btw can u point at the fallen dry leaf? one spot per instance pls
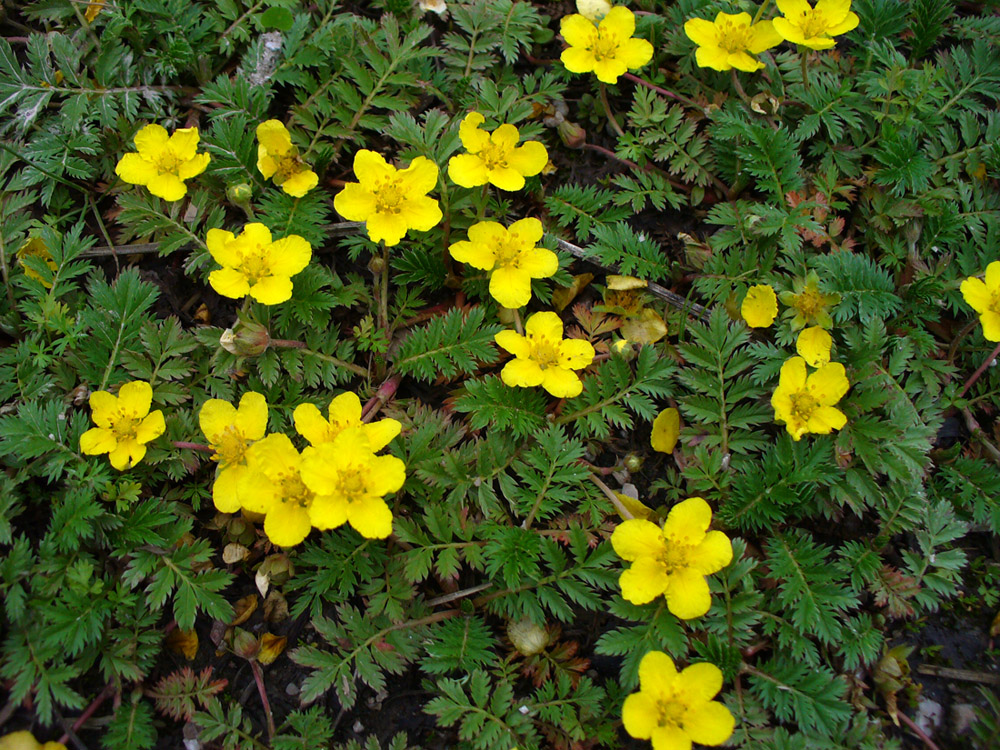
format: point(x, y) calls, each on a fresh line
point(271, 647)
point(183, 642)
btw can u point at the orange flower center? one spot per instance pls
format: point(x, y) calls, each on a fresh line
point(733, 37)
point(545, 353)
point(494, 155)
point(803, 405)
point(813, 23)
point(289, 165)
point(388, 196)
point(124, 424)
point(230, 445)
point(167, 161)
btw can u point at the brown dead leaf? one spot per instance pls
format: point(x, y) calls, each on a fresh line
point(275, 607)
point(234, 553)
point(563, 295)
point(183, 642)
point(243, 609)
point(271, 647)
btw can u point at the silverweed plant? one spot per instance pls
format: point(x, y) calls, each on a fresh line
point(490, 375)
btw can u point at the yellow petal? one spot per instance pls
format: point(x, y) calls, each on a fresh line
point(657, 673)
point(469, 132)
point(561, 383)
point(419, 178)
point(993, 275)
point(715, 58)
point(539, 262)
point(214, 417)
point(271, 290)
point(828, 384)
point(381, 433)
point(151, 427)
point(700, 682)
point(619, 20)
point(221, 246)
point(544, 325)
point(514, 343)
point(300, 183)
point(184, 143)
point(271, 647)
point(825, 419)
point(476, 254)
point(226, 488)
point(311, 425)
point(709, 723)
point(609, 69)
point(578, 59)
point(640, 715)
point(793, 374)
point(636, 508)
point(645, 580)
point(135, 170)
point(976, 294)
point(713, 554)
point(103, 406)
point(813, 345)
point(991, 325)
point(421, 212)
point(666, 430)
point(229, 283)
point(760, 306)
point(687, 594)
point(511, 287)
point(387, 228)
point(183, 642)
point(522, 373)
point(634, 53)
point(167, 186)
point(388, 474)
point(127, 454)
point(354, 202)
point(528, 159)
point(289, 255)
point(833, 11)
point(637, 538)
point(151, 139)
point(575, 354)
point(287, 524)
point(743, 61)
point(274, 137)
point(136, 397)
point(763, 37)
point(328, 512)
point(577, 30)
point(701, 31)
point(370, 168)
point(193, 166)
point(687, 522)
point(526, 231)
point(97, 440)
point(793, 8)
point(252, 415)
point(370, 518)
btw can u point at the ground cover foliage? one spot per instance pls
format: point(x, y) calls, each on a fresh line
point(858, 183)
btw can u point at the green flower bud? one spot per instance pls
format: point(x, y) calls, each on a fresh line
point(246, 339)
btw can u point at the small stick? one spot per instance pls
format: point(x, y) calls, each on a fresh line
point(917, 731)
point(108, 691)
point(258, 676)
point(610, 494)
point(980, 371)
point(966, 675)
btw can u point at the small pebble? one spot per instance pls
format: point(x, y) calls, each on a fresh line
point(291, 689)
point(929, 717)
point(963, 715)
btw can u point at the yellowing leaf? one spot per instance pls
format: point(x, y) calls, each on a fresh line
point(271, 647)
point(666, 430)
point(648, 328)
point(93, 8)
point(234, 553)
point(563, 295)
point(633, 506)
point(183, 642)
point(243, 609)
point(620, 283)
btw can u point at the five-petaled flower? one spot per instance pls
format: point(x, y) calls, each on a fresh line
point(606, 48)
point(253, 264)
point(806, 404)
point(390, 201)
point(124, 424)
point(163, 162)
point(984, 298)
point(511, 256)
point(230, 432)
point(277, 158)
point(809, 303)
point(272, 485)
point(345, 413)
point(495, 158)
point(760, 306)
point(674, 709)
point(813, 345)
point(350, 482)
point(731, 41)
point(815, 27)
point(673, 560)
point(543, 357)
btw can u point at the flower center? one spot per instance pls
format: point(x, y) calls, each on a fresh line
point(508, 253)
point(803, 405)
point(288, 166)
point(809, 303)
point(293, 489)
point(813, 24)
point(604, 46)
point(167, 162)
point(545, 353)
point(670, 712)
point(124, 425)
point(255, 264)
point(388, 197)
point(230, 445)
point(732, 37)
point(494, 155)
point(676, 557)
point(994, 305)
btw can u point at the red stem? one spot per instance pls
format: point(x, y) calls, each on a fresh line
point(385, 392)
point(980, 371)
point(193, 446)
point(917, 731)
point(258, 677)
point(108, 691)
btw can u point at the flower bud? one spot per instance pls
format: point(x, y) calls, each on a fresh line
point(528, 638)
point(633, 462)
point(246, 339)
point(239, 194)
point(571, 134)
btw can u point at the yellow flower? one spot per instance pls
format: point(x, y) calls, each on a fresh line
point(607, 48)
point(350, 481)
point(806, 404)
point(345, 413)
point(390, 201)
point(814, 345)
point(124, 424)
point(273, 486)
point(666, 430)
point(809, 303)
point(253, 264)
point(511, 255)
point(675, 709)
point(163, 162)
point(278, 158)
point(760, 306)
point(26, 741)
point(673, 560)
point(815, 27)
point(544, 358)
point(731, 41)
point(35, 247)
point(984, 298)
point(230, 432)
point(495, 157)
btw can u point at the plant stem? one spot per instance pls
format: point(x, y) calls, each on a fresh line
point(383, 297)
point(517, 321)
point(739, 87)
point(183, 444)
point(108, 691)
point(804, 56)
point(610, 494)
point(385, 392)
point(760, 11)
point(665, 92)
point(982, 368)
point(608, 113)
point(287, 344)
point(258, 677)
